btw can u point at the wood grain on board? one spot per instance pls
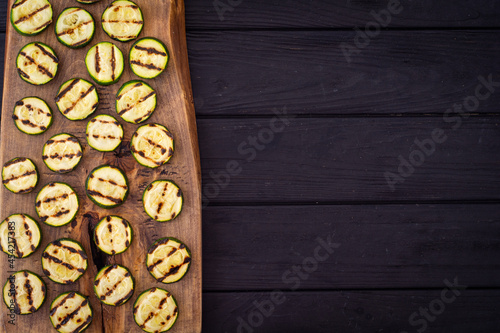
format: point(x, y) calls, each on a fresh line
point(164, 20)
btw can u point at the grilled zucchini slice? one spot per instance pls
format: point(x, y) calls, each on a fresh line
point(71, 312)
point(20, 175)
point(107, 186)
point(104, 63)
point(62, 153)
point(37, 63)
point(77, 99)
point(114, 285)
point(152, 145)
point(64, 261)
point(113, 235)
point(75, 27)
point(24, 292)
point(135, 101)
point(162, 200)
point(30, 17)
point(155, 310)
point(57, 204)
point(148, 58)
point(122, 20)
point(104, 133)
point(168, 260)
point(20, 235)
point(32, 115)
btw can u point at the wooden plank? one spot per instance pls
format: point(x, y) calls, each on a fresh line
point(201, 14)
point(165, 20)
point(399, 72)
point(342, 160)
point(354, 311)
point(338, 14)
point(379, 246)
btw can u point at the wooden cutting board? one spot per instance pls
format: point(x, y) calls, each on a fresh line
point(165, 21)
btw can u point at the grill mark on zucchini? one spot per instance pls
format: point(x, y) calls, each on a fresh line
point(58, 214)
point(70, 31)
point(16, 248)
point(57, 243)
point(22, 73)
point(62, 263)
point(124, 298)
point(123, 21)
point(150, 50)
point(15, 161)
point(66, 90)
point(39, 67)
point(47, 53)
point(30, 15)
point(151, 314)
point(79, 328)
point(18, 4)
point(97, 59)
point(29, 288)
point(110, 198)
point(28, 173)
point(113, 63)
point(71, 315)
point(142, 154)
point(43, 25)
point(138, 84)
point(79, 43)
point(82, 96)
point(68, 296)
point(175, 269)
point(122, 112)
point(148, 66)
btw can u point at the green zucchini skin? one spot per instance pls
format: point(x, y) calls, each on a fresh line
point(127, 297)
point(149, 187)
point(37, 174)
point(43, 219)
point(43, 288)
point(70, 138)
point(135, 307)
point(87, 303)
point(24, 53)
point(123, 113)
point(160, 242)
point(82, 249)
point(36, 32)
point(136, 68)
point(94, 200)
point(37, 225)
point(106, 28)
point(92, 62)
point(23, 102)
point(108, 219)
point(80, 44)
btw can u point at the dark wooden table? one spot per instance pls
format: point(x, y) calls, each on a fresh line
point(351, 176)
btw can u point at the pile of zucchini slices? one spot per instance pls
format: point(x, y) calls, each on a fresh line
point(64, 260)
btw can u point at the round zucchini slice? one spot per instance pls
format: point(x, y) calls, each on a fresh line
point(107, 186)
point(148, 58)
point(20, 235)
point(77, 99)
point(152, 145)
point(104, 133)
point(32, 115)
point(155, 310)
point(162, 200)
point(64, 261)
point(56, 204)
point(20, 175)
point(71, 312)
point(75, 27)
point(135, 102)
point(62, 153)
point(168, 260)
point(104, 63)
point(113, 235)
point(30, 17)
point(25, 292)
point(114, 285)
point(37, 63)
point(122, 20)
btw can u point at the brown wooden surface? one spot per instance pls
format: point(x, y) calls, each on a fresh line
point(164, 20)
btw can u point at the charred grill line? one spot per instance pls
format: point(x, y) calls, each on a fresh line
point(70, 295)
point(30, 15)
point(148, 66)
point(138, 102)
point(47, 53)
point(150, 50)
point(82, 96)
point(66, 90)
